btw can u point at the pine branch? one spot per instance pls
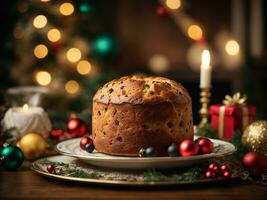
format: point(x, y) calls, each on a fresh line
point(67, 171)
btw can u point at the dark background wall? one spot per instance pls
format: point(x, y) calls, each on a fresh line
point(142, 33)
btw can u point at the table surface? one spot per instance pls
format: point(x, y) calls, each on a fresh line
point(26, 184)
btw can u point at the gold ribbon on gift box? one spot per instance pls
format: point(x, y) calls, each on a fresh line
point(236, 100)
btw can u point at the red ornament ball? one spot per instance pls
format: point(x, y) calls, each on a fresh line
point(73, 124)
point(214, 167)
point(255, 163)
point(227, 174)
point(205, 145)
point(84, 141)
point(188, 148)
point(210, 174)
point(224, 168)
point(76, 127)
point(161, 11)
point(51, 168)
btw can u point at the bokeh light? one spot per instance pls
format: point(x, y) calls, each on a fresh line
point(105, 45)
point(40, 21)
point(83, 67)
point(82, 45)
point(85, 7)
point(72, 87)
point(66, 9)
point(40, 51)
point(194, 32)
point(44, 0)
point(54, 35)
point(232, 47)
point(159, 63)
point(74, 55)
point(173, 4)
point(43, 78)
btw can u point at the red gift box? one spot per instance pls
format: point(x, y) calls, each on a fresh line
point(225, 120)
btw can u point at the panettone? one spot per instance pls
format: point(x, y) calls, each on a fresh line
point(135, 112)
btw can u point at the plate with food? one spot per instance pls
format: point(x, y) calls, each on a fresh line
point(142, 116)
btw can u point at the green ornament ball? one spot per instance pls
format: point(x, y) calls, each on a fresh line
point(11, 157)
point(105, 45)
point(86, 8)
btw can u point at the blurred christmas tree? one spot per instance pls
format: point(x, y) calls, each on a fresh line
point(62, 45)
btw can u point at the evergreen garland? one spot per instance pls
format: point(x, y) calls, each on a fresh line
point(65, 170)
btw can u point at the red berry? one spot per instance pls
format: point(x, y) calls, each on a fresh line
point(84, 141)
point(210, 174)
point(188, 148)
point(51, 168)
point(227, 174)
point(205, 145)
point(224, 167)
point(214, 167)
point(56, 132)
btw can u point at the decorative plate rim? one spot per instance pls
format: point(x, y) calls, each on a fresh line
point(38, 170)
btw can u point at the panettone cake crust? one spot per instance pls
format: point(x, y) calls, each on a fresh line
point(136, 112)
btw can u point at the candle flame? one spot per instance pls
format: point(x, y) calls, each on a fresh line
point(206, 58)
point(25, 107)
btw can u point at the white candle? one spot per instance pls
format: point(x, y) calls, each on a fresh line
point(205, 73)
point(24, 108)
point(27, 119)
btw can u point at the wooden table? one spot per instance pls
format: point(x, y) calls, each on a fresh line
point(26, 184)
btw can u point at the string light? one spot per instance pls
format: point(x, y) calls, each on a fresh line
point(40, 51)
point(72, 87)
point(40, 21)
point(43, 78)
point(54, 35)
point(74, 55)
point(173, 4)
point(83, 67)
point(232, 47)
point(194, 32)
point(66, 9)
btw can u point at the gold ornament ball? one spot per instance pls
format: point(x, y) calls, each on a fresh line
point(32, 145)
point(255, 136)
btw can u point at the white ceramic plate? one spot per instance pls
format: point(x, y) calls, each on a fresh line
point(72, 148)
